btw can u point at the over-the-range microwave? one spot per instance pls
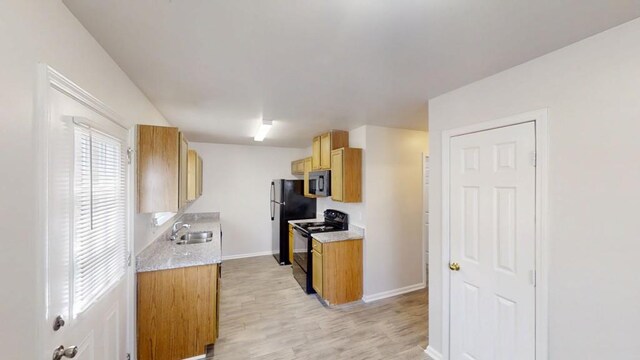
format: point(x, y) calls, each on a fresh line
point(320, 183)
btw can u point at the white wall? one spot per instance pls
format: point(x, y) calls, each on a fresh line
point(236, 183)
point(592, 91)
point(32, 32)
point(394, 244)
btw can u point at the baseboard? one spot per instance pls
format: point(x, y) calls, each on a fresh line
point(433, 354)
point(242, 256)
point(391, 293)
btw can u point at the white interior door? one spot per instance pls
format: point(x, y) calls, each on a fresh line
point(492, 214)
point(97, 327)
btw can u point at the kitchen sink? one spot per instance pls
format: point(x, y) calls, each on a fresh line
point(195, 238)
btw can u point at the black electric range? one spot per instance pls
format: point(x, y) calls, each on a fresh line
point(302, 265)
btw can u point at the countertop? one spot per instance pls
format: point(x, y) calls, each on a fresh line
point(164, 254)
point(334, 236)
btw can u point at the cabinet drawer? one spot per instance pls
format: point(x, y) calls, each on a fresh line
point(317, 246)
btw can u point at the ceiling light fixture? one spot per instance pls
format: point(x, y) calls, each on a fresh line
point(265, 126)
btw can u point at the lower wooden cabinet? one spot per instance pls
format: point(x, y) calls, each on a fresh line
point(291, 243)
point(177, 312)
point(317, 272)
point(337, 270)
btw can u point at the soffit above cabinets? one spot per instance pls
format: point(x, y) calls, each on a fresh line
point(214, 68)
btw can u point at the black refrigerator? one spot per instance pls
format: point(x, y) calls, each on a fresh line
point(287, 203)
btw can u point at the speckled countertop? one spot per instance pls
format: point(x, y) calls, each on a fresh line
point(354, 233)
point(164, 254)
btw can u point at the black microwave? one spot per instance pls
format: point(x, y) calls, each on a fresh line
point(320, 183)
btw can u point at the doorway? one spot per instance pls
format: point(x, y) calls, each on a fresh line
point(494, 291)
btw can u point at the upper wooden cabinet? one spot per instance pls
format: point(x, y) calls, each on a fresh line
point(199, 176)
point(184, 151)
point(194, 175)
point(315, 153)
point(297, 167)
point(324, 144)
point(307, 170)
point(158, 160)
point(346, 175)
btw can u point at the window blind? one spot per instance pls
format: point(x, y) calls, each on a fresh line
point(99, 245)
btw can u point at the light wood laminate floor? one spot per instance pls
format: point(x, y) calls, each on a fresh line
point(266, 315)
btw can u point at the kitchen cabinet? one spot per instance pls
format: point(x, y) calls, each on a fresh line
point(297, 167)
point(323, 145)
point(177, 313)
point(199, 176)
point(317, 270)
point(307, 170)
point(337, 270)
point(182, 182)
point(158, 169)
point(346, 175)
point(194, 175)
point(291, 243)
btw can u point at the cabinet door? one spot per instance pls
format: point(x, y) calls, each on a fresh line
point(307, 169)
point(317, 272)
point(158, 169)
point(192, 175)
point(291, 243)
point(337, 183)
point(199, 176)
point(177, 304)
point(325, 151)
point(184, 154)
point(315, 155)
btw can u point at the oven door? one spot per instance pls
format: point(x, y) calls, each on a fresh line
point(301, 248)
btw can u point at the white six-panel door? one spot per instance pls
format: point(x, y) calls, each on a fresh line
point(492, 239)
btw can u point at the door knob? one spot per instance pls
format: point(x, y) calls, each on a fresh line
point(454, 266)
point(61, 352)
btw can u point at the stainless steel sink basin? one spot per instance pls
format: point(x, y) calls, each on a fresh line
point(195, 238)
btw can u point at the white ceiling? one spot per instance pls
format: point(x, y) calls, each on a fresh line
point(214, 67)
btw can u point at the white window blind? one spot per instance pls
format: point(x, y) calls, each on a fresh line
point(99, 245)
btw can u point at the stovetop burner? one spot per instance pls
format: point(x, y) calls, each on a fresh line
point(334, 221)
point(321, 228)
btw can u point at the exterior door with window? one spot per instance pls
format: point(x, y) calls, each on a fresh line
point(492, 244)
point(86, 245)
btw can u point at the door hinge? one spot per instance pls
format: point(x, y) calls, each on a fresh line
point(129, 155)
point(534, 159)
point(128, 356)
point(129, 259)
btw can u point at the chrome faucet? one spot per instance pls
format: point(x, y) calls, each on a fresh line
point(177, 226)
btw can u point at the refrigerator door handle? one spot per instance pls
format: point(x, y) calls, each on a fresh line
point(271, 203)
point(273, 191)
point(273, 210)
